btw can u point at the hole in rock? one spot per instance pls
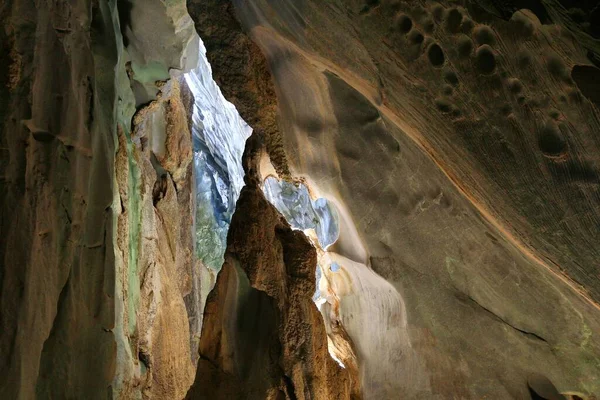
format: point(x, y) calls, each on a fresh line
point(334, 267)
point(144, 360)
point(318, 219)
point(436, 55)
point(485, 59)
point(551, 140)
point(403, 23)
point(587, 78)
point(453, 20)
point(219, 135)
point(301, 211)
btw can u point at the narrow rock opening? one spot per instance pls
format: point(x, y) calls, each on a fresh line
point(294, 201)
point(219, 135)
point(319, 220)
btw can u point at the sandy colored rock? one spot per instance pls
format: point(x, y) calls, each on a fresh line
point(157, 274)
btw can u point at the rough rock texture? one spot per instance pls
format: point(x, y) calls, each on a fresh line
point(159, 36)
point(262, 336)
point(246, 80)
point(155, 253)
point(57, 183)
point(154, 287)
point(96, 247)
point(458, 140)
point(461, 150)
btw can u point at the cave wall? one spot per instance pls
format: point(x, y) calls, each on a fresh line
point(155, 241)
point(457, 140)
point(97, 220)
point(58, 250)
point(462, 154)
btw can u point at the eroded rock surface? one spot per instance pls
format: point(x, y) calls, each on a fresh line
point(457, 141)
point(157, 274)
point(462, 157)
point(97, 227)
point(57, 252)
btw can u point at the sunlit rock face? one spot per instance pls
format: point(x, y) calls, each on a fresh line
point(294, 202)
point(319, 221)
point(155, 182)
point(344, 290)
point(155, 261)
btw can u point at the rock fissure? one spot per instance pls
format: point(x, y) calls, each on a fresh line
point(504, 321)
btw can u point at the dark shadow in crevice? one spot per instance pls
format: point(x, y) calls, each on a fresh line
point(541, 388)
point(587, 78)
point(485, 10)
point(125, 8)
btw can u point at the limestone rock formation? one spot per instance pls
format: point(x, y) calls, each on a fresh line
point(454, 143)
point(157, 274)
point(97, 242)
point(57, 253)
point(460, 151)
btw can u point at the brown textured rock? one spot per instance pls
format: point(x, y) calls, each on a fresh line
point(242, 72)
point(157, 318)
point(71, 202)
point(56, 223)
point(263, 337)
